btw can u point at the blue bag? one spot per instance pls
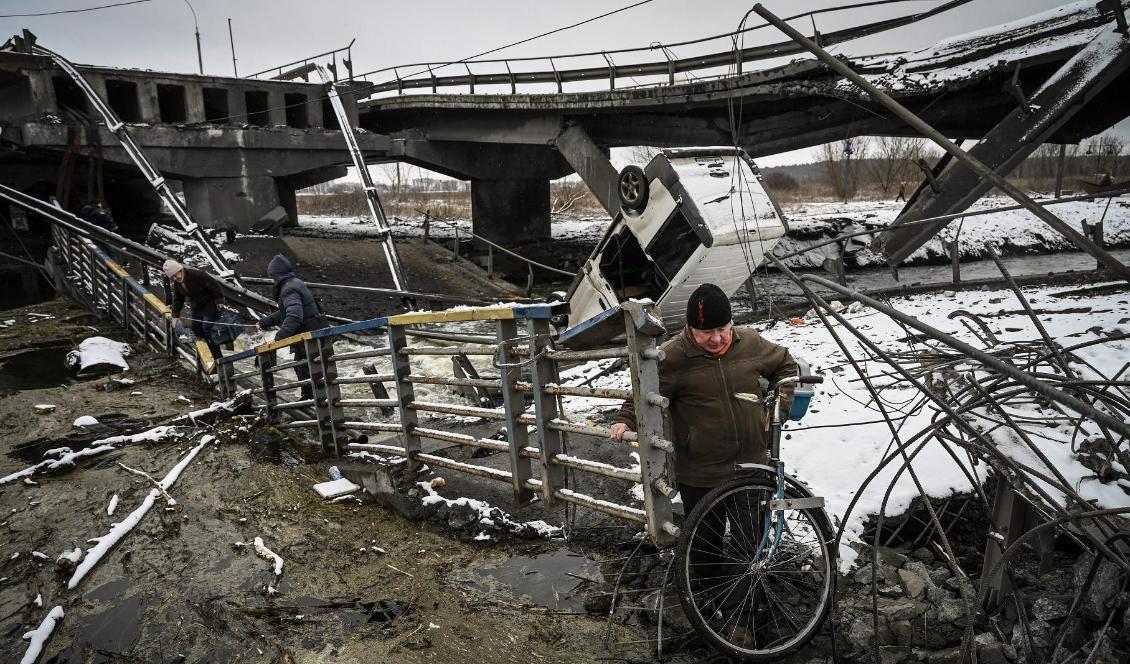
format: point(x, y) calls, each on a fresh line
point(227, 327)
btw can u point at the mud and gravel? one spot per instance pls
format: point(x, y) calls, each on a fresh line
point(359, 584)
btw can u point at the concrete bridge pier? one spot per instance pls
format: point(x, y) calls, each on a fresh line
point(511, 211)
point(238, 202)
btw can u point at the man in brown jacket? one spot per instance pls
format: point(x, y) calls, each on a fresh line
point(704, 366)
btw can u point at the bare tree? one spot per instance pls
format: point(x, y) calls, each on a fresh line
point(640, 155)
point(1105, 150)
point(396, 177)
point(565, 195)
point(837, 161)
point(892, 160)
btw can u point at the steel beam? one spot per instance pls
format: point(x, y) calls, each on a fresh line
point(937, 137)
point(1017, 136)
point(591, 163)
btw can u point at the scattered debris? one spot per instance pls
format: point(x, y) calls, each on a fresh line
point(98, 355)
point(38, 636)
point(102, 545)
point(336, 488)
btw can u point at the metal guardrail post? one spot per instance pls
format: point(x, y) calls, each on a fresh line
point(954, 250)
point(266, 362)
point(127, 320)
point(405, 394)
point(642, 329)
point(514, 403)
point(315, 365)
point(332, 420)
point(542, 371)
point(225, 370)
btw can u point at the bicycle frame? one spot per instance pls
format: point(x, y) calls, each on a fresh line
point(775, 516)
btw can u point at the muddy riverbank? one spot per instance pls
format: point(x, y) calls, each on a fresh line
point(359, 582)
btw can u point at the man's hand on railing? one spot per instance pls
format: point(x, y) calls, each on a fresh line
point(617, 432)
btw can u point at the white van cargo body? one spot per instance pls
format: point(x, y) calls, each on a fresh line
point(706, 218)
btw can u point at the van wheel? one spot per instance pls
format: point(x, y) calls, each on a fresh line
point(633, 189)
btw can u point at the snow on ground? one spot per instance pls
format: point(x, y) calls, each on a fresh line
point(845, 426)
point(842, 423)
point(1015, 231)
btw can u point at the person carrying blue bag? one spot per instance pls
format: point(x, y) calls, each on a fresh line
point(297, 312)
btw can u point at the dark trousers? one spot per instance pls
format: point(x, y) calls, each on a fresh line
point(718, 572)
point(303, 370)
point(202, 328)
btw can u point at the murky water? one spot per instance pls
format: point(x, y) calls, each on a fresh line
point(105, 635)
point(35, 369)
point(786, 293)
point(548, 579)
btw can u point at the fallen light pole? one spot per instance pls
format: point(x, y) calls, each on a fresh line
point(1002, 183)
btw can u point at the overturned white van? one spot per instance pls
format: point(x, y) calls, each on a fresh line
point(691, 216)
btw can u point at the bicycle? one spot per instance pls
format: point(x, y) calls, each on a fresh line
point(754, 560)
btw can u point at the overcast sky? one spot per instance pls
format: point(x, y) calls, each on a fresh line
point(159, 34)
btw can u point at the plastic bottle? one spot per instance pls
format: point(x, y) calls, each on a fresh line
point(335, 473)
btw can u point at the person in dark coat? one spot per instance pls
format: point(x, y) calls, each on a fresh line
point(204, 297)
point(297, 312)
point(99, 215)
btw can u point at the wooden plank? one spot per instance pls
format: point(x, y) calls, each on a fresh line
point(453, 315)
point(206, 359)
point(117, 269)
point(157, 304)
point(283, 343)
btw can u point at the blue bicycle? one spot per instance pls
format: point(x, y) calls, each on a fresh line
point(754, 560)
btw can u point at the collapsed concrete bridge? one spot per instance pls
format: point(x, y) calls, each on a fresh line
point(243, 146)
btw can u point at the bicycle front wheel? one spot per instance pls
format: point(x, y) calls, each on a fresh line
point(748, 598)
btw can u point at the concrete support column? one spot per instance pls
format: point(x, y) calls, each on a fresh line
point(510, 211)
point(147, 101)
point(314, 112)
point(193, 103)
point(237, 106)
point(277, 113)
point(223, 202)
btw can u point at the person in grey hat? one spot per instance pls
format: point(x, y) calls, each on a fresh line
point(297, 312)
point(204, 297)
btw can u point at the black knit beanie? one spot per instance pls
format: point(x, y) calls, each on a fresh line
point(708, 308)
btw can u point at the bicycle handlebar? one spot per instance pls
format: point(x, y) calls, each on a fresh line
point(802, 380)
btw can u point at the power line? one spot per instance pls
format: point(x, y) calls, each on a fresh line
point(530, 39)
point(74, 11)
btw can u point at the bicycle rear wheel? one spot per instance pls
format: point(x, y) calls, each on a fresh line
point(745, 604)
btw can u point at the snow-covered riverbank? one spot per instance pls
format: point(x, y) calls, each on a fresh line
point(1014, 232)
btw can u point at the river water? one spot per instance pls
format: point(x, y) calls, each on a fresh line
point(785, 293)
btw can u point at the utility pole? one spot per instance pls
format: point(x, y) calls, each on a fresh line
point(231, 39)
point(199, 57)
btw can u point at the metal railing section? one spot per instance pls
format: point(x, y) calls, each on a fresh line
point(529, 388)
point(114, 292)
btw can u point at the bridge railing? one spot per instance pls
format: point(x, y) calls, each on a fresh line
point(613, 64)
point(389, 391)
point(352, 388)
point(94, 274)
